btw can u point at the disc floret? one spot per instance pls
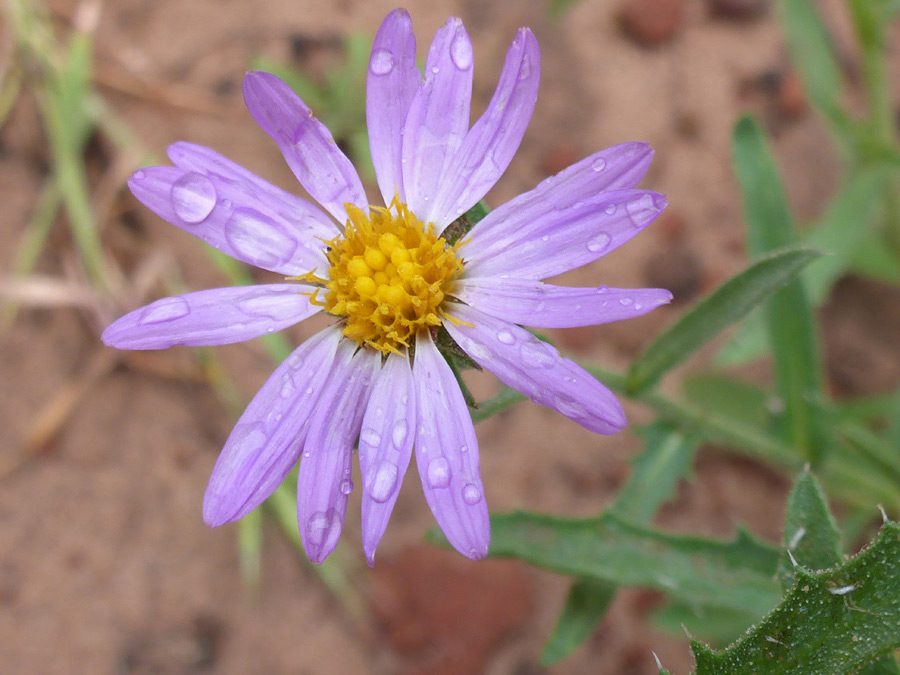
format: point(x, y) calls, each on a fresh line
point(389, 276)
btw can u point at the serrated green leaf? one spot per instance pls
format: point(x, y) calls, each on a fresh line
point(832, 621)
point(667, 457)
point(737, 574)
point(811, 537)
point(789, 319)
point(719, 625)
point(586, 603)
point(728, 304)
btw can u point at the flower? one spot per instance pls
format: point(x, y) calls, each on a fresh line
point(390, 279)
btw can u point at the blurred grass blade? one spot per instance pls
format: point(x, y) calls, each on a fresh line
point(832, 621)
point(729, 397)
point(842, 229)
point(789, 317)
point(250, 536)
point(814, 57)
point(667, 457)
point(586, 603)
point(811, 537)
point(728, 304)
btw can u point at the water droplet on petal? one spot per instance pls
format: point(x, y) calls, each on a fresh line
point(610, 209)
point(525, 70)
point(323, 528)
point(193, 197)
point(258, 239)
point(370, 437)
point(598, 164)
point(464, 448)
point(506, 337)
point(537, 354)
point(461, 52)
point(569, 407)
point(602, 289)
point(398, 434)
point(625, 301)
point(346, 486)
point(404, 399)
point(438, 473)
point(642, 210)
point(545, 238)
point(287, 387)
point(599, 242)
point(138, 175)
point(435, 69)
point(477, 351)
point(382, 62)
point(167, 309)
point(471, 494)
point(383, 481)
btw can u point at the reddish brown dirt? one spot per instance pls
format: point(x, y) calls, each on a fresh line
point(105, 564)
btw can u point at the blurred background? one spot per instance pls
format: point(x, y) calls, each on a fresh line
point(105, 563)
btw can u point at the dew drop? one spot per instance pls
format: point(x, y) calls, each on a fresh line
point(537, 354)
point(370, 437)
point(477, 351)
point(404, 399)
point(545, 238)
point(471, 494)
point(435, 69)
point(324, 528)
point(461, 52)
point(610, 209)
point(464, 448)
point(167, 309)
point(438, 473)
point(625, 301)
point(642, 210)
point(193, 197)
point(599, 242)
point(138, 175)
point(598, 164)
point(346, 486)
point(506, 337)
point(525, 70)
point(602, 289)
point(383, 481)
point(257, 239)
point(568, 407)
point(398, 434)
point(287, 387)
point(382, 62)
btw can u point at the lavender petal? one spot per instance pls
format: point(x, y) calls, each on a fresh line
point(533, 303)
point(323, 482)
point(536, 369)
point(307, 145)
point(385, 447)
point(238, 218)
point(216, 316)
point(447, 454)
point(392, 83)
point(489, 146)
point(438, 117)
point(265, 443)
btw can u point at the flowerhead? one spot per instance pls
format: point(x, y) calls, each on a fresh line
point(391, 280)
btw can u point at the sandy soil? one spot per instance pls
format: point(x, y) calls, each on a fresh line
point(105, 563)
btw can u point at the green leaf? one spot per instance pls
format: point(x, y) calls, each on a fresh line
point(737, 574)
point(873, 259)
point(832, 621)
point(719, 625)
point(811, 537)
point(667, 457)
point(556, 9)
point(728, 304)
point(500, 401)
point(586, 603)
point(749, 342)
point(728, 397)
point(788, 314)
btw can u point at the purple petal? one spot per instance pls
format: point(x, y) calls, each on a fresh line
point(323, 482)
point(438, 117)
point(490, 145)
point(235, 217)
point(385, 447)
point(447, 454)
point(265, 443)
point(391, 85)
point(307, 145)
point(536, 369)
point(532, 303)
point(544, 233)
point(217, 316)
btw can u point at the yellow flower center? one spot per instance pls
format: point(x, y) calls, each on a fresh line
point(389, 275)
